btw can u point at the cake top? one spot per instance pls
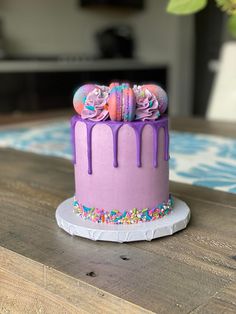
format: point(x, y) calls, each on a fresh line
point(120, 102)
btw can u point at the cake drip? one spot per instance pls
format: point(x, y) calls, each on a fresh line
point(115, 127)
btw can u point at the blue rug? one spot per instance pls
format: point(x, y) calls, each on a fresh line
point(198, 159)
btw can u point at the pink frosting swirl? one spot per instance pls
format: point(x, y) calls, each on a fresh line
point(95, 107)
point(147, 107)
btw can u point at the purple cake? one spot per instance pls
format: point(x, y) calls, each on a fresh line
point(120, 142)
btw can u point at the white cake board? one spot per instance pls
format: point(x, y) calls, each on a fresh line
point(75, 225)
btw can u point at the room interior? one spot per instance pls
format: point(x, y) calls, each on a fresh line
point(47, 51)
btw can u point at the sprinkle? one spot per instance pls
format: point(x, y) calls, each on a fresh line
point(90, 108)
point(86, 209)
point(126, 217)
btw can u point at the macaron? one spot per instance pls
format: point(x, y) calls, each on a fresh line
point(160, 95)
point(81, 95)
point(113, 84)
point(121, 103)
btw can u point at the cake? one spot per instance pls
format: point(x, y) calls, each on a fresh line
point(120, 143)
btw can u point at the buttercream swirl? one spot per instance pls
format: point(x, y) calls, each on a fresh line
point(147, 106)
point(95, 107)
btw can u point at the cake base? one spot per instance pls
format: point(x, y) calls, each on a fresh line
point(75, 225)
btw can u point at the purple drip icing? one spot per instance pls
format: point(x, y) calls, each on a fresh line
point(73, 121)
point(89, 126)
point(138, 128)
point(155, 145)
point(166, 157)
point(115, 126)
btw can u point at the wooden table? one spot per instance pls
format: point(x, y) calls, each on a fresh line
point(44, 270)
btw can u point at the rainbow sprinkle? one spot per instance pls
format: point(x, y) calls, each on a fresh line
point(127, 217)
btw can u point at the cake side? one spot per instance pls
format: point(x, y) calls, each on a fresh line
point(121, 149)
point(125, 166)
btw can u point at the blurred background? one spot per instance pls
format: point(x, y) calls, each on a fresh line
point(49, 47)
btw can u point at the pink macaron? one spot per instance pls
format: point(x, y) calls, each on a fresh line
point(113, 84)
point(121, 103)
point(160, 95)
point(81, 95)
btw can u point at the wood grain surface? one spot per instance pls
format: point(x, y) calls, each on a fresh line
point(200, 125)
point(30, 287)
point(20, 117)
point(190, 272)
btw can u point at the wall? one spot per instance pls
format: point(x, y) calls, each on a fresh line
point(62, 27)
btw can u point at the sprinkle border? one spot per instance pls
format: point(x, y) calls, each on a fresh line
point(127, 217)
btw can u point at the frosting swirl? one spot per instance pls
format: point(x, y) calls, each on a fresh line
point(95, 107)
point(147, 106)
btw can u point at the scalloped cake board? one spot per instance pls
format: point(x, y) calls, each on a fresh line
point(75, 225)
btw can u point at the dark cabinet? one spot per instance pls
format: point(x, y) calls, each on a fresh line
point(33, 91)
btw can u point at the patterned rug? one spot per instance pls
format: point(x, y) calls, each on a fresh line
point(197, 159)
